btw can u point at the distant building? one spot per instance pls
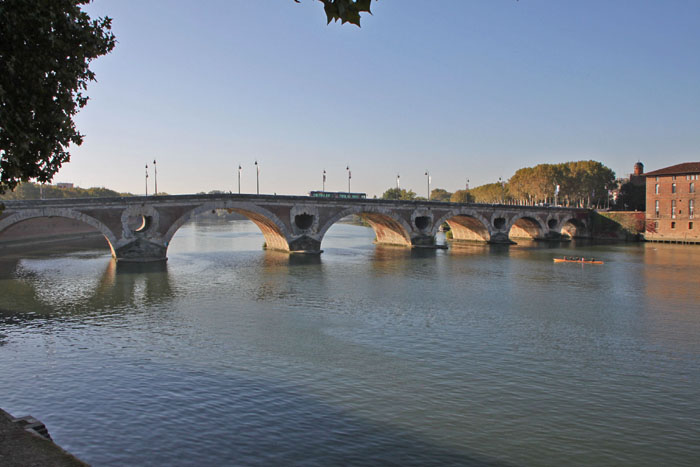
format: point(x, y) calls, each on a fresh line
point(64, 185)
point(638, 178)
point(629, 193)
point(671, 202)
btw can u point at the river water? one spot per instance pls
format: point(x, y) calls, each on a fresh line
point(368, 355)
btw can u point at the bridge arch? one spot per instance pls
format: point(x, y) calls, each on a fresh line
point(388, 227)
point(273, 229)
point(465, 224)
point(526, 226)
point(18, 217)
point(573, 227)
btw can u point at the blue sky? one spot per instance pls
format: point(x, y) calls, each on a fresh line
point(467, 89)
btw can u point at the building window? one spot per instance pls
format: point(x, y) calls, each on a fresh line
point(674, 177)
point(673, 188)
point(656, 189)
point(657, 178)
point(656, 225)
point(691, 187)
point(673, 225)
point(691, 208)
point(656, 208)
point(690, 226)
point(673, 209)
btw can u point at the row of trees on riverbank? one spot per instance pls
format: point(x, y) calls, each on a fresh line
point(576, 183)
point(38, 191)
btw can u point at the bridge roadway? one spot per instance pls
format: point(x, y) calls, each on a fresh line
point(140, 228)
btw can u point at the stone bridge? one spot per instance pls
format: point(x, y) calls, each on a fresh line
point(140, 228)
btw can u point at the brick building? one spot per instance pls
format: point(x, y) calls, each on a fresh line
point(672, 202)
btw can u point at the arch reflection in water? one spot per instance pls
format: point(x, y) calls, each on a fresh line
point(81, 284)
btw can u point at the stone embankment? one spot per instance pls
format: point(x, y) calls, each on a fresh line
point(618, 225)
point(48, 230)
point(25, 442)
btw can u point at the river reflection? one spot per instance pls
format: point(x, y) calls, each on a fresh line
point(366, 355)
point(80, 284)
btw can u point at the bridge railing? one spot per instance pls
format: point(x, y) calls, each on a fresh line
point(166, 199)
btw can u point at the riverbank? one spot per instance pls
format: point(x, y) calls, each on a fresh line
point(49, 232)
point(625, 226)
point(21, 448)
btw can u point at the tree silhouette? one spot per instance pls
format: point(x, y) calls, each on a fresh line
point(45, 49)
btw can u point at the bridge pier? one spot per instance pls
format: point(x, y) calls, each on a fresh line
point(553, 236)
point(140, 250)
point(426, 241)
point(501, 238)
point(305, 245)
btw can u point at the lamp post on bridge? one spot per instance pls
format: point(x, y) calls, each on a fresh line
point(146, 179)
point(239, 178)
point(427, 174)
point(155, 177)
point(398, 181)
point(257, 178)
point(349, 176)
point(500, 182)
point(324, 180)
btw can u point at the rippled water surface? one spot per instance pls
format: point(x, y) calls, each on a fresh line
point(478, 355)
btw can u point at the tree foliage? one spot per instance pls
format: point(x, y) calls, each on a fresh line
point(462, 196)
point(345, 11)
point(491, 193)
point(46, 47)
point(580, 183)
point(30, 191)
point(632, 197)
point(440, 194)
point(399, 193)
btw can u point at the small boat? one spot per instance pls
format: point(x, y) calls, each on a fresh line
point(576, 259)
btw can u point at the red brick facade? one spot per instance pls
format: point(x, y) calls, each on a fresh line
point(672, 211)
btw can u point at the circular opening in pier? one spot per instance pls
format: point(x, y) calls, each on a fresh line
point(499, 222)
point(552, 223)
point(304, 221)
point(422, 222)
point(139, 223)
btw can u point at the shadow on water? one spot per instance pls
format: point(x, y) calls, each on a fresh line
point(303, 260)
point(242, 421)
point(141, 268)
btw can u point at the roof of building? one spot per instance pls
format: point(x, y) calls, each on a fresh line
point(684, 168)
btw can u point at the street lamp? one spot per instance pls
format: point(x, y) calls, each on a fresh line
point(398, 181)
point(500, 182)
point(349, 176)
point(257, 178)
point(155, 176)
point(467, 184)
point(146, 179)
point(324, 180)
point(427, 174)
point(239, 178)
